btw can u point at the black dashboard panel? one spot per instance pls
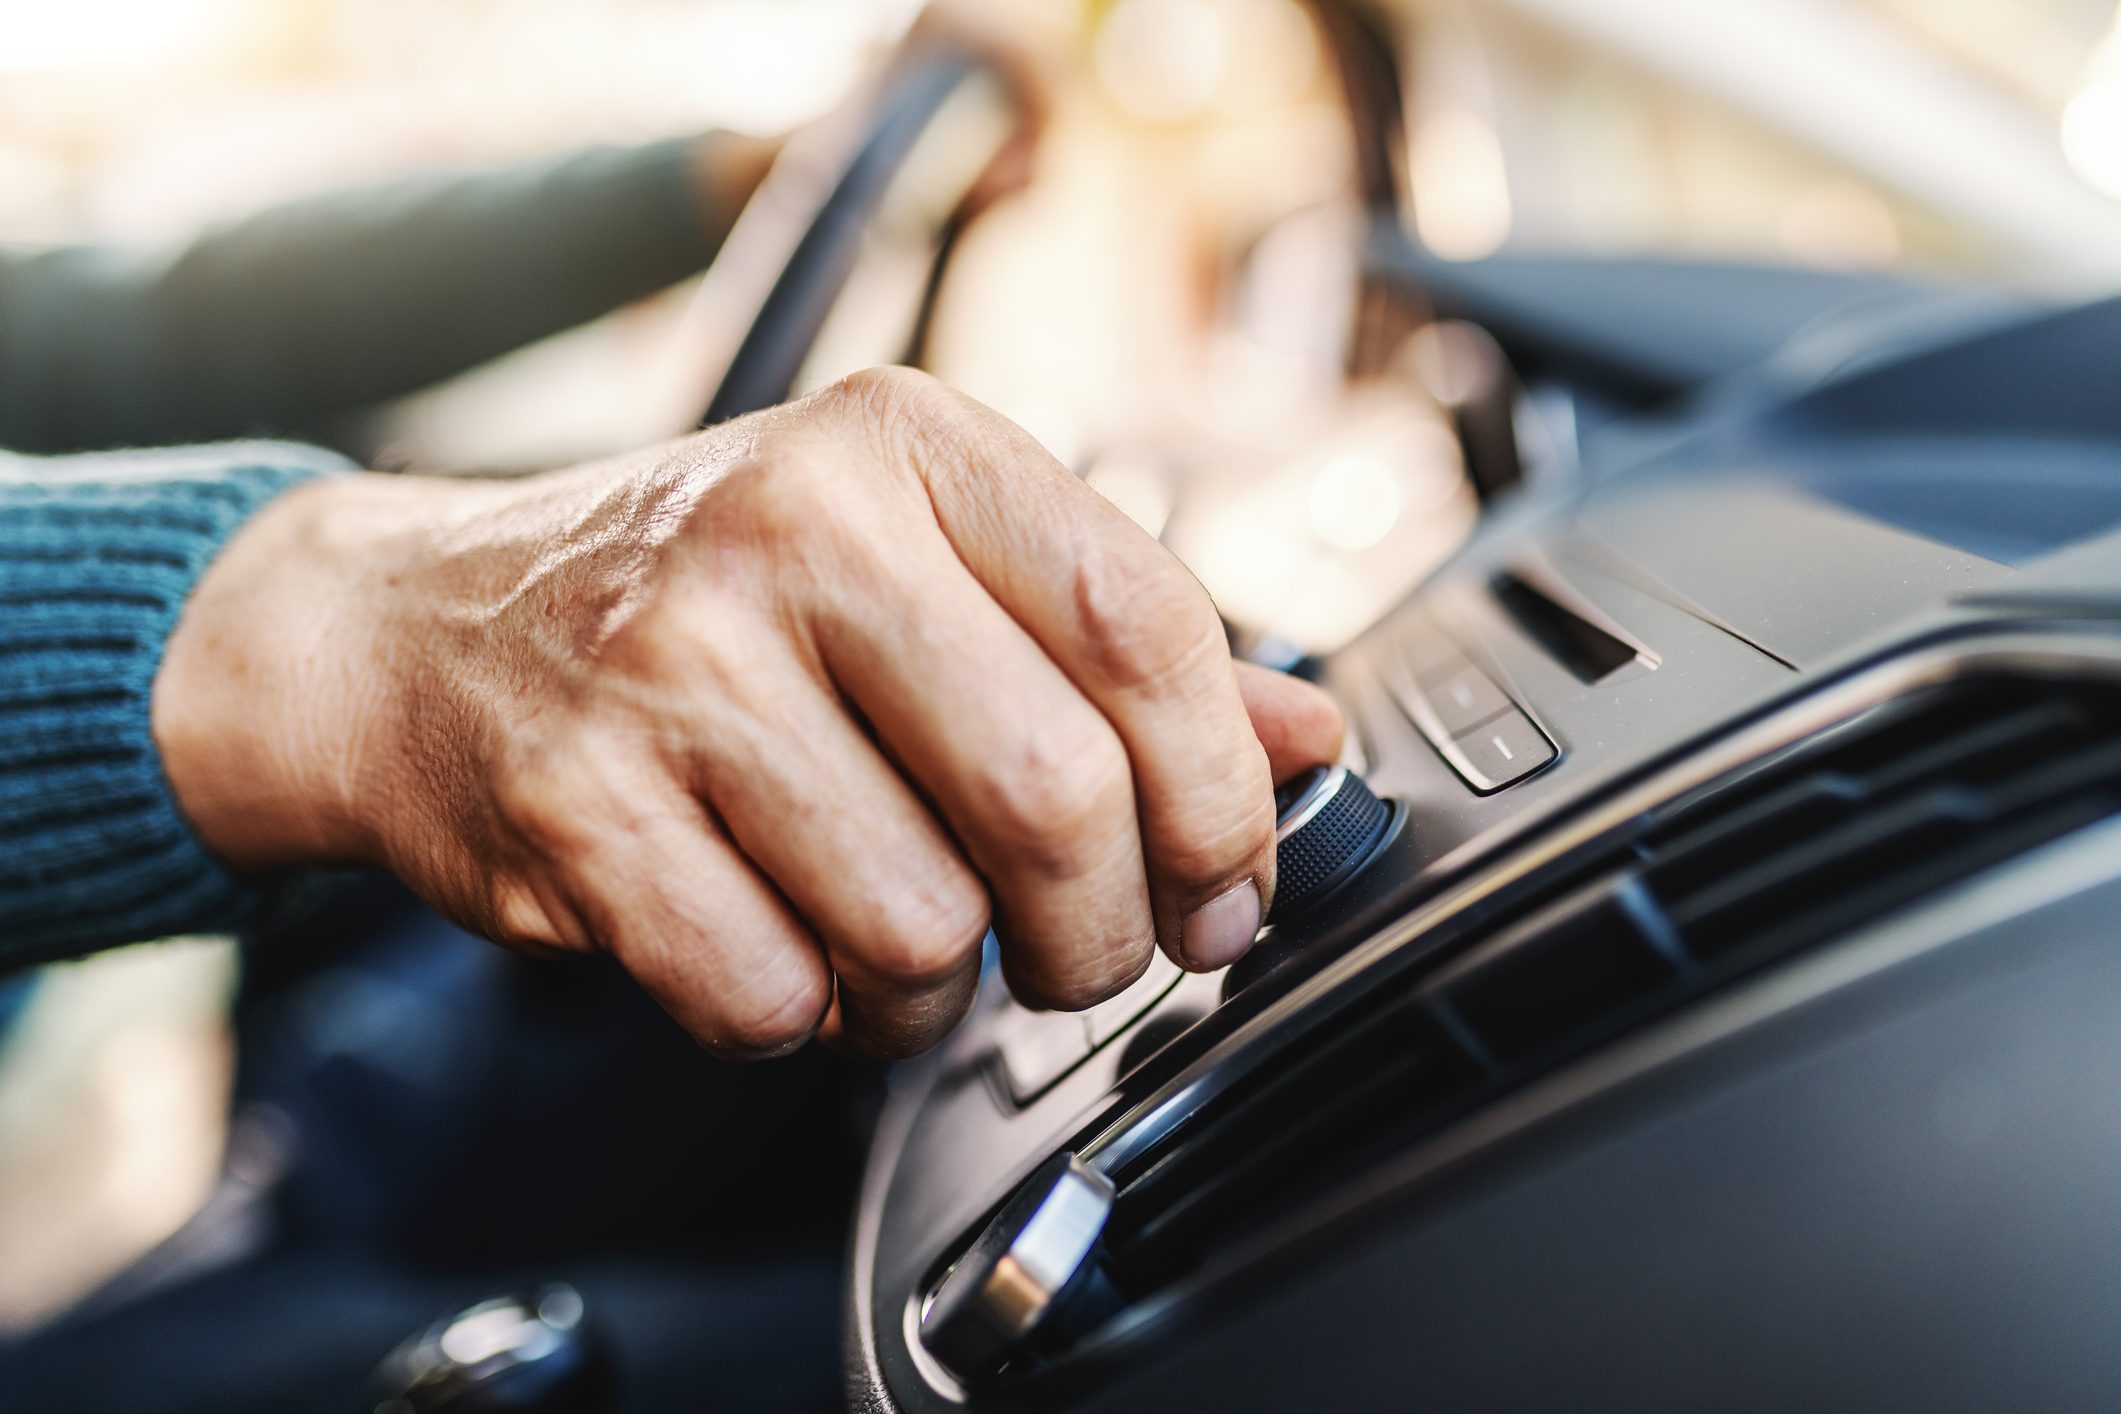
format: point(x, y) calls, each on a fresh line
point(1874, 1170)
point(1795, 575)
point(1891, 1197)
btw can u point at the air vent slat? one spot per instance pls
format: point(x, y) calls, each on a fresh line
point(1935, 872)
point(1564, 970)
point(1730, 841)
point(1890, 853)
point(1222, 1200)
point(1987, 750)
point(1294, 1086)
point(1812, 875)
point(2065, 774)
point(1847, 780)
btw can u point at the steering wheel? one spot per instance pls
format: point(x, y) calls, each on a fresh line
point(887, 161)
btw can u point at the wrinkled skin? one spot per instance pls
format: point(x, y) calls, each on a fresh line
point(781, 715)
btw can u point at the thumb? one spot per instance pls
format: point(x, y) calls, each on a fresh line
point(1298, 724)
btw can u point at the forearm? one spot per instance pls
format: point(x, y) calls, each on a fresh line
point(97, 558)
point(278, 324)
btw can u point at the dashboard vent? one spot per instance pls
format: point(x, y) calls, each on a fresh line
point(1801, 847)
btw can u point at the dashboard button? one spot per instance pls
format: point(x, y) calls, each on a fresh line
point(1463, 698)
point(1503, 750)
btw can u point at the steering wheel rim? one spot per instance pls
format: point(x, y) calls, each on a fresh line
point(781, 335)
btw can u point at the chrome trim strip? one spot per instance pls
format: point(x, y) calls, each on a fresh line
point(939, 1379)
point(1314, 800)
point(901, 1114)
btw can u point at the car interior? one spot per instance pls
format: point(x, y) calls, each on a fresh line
point(1692, 987)
point(1703, 1002)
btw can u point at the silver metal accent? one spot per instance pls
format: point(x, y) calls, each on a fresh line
point(998, 1292)
point(477, 1349)
point(1049, 1250)
point(1307, 806)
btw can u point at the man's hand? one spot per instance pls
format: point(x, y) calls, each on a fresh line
point(779, 715)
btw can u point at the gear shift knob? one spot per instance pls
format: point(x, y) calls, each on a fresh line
point(533, 1352)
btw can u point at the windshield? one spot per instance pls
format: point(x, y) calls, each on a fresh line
point(1961, 138)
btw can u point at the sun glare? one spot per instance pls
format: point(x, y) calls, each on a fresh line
point(83, 35)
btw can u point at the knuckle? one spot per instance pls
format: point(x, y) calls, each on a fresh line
point(905, 412)
point(517, 920)
point(776, 495)
point(907, 1026)
point(1227, 824)
point(892, 390)
point(1145, 622)
point(1084, 982)
point(1082, 992)
point(1206, 854)
point(1055, 797)
point(796, 517)
point(555, 796)
point(773, 1019)
point(534, 806)
point(926, 938)
point(696, 665)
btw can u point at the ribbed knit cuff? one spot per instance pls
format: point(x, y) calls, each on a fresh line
point(97, 556)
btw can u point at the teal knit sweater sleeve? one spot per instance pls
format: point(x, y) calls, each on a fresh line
point(97, 555)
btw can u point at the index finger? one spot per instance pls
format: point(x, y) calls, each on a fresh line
point(1134, 631)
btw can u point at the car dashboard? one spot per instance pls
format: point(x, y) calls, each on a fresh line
point(1724, 1018)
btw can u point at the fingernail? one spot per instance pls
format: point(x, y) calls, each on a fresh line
point(1217, 933)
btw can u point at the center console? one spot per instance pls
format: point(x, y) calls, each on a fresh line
point(1717, 1006)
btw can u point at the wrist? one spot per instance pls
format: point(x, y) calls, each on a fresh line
point(270, 687)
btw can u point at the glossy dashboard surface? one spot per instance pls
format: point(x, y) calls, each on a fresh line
point(1748, 565)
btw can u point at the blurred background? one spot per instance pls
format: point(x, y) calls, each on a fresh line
point(1160, 304)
